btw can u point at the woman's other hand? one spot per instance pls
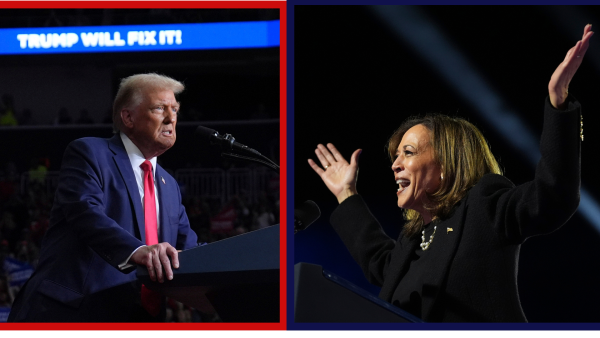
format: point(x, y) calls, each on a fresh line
point(558, 88)
point(339, 175)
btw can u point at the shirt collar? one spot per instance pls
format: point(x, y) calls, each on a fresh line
point(135, 154)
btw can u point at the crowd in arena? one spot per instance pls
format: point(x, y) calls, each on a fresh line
point(27, 189)
point(25, 212)
point(10, 116)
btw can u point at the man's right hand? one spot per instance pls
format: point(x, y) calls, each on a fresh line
point(155, 258)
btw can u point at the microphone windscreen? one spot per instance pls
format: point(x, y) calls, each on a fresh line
point(205, 133)
point(306, 214)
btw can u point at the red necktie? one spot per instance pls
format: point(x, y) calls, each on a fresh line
point(150, 299)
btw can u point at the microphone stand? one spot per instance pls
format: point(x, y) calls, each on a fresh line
point(271, 165)
point(251, 154)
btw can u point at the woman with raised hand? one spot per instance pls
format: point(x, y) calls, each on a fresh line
point(456, 259)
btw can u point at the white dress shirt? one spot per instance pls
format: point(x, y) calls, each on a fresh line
point(137, 158)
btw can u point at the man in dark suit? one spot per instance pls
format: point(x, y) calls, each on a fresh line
point(107, 218)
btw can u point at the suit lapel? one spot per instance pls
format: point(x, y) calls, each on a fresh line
point(124, 165)
point(165, 226)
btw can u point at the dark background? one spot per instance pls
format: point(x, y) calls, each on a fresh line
point(356, 81)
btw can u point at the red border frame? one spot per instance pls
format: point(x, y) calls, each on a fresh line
point(281, 325)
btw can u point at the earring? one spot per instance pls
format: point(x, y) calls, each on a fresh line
point(442, 176)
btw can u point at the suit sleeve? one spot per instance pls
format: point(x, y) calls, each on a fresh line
point(81, 199)
point(363, 236)
point(546, 203)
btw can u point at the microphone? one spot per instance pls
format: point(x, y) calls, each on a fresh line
point(305, 215)
point(224, 141)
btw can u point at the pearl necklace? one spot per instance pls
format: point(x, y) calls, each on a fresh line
point(425, 245)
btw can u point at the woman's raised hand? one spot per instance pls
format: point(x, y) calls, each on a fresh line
point(558, 88)
point(339, 175)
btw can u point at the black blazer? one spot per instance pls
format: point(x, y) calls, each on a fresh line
point(475, 277)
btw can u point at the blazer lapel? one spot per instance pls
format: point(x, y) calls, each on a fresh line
point(165, 226)
point(124, 165)
point(400, 257)
point(435, 279)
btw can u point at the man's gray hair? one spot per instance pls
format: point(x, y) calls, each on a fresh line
point(131, 91)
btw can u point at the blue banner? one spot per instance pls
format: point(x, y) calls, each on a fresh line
point(17, 272)
point(4, 312)
point(140, 38)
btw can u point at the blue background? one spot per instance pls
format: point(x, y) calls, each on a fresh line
point(194, 36)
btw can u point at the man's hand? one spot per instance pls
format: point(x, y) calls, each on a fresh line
point(155, 258)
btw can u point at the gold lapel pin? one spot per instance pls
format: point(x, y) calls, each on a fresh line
point(448, 230)
point(163, 179)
